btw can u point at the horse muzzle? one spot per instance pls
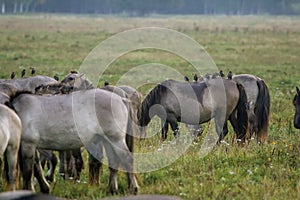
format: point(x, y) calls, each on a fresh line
point(297, 121)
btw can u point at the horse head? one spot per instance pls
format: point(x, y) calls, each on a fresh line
point(78, 81)
point(296, 103)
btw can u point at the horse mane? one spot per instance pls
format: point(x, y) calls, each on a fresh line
point(152, 98)
point(16, 95)
point(19, 93)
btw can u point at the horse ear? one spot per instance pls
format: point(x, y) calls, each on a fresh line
point(298, 91)
point(81, 75)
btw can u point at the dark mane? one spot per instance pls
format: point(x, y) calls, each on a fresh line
point(152, 98)
point(16, 95)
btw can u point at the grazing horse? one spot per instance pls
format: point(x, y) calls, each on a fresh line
point(259, 104)
point(66, 122)
point(80, 82)
point(194, 104)
point(296, 102)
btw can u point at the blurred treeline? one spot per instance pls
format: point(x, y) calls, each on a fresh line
point(148, 7)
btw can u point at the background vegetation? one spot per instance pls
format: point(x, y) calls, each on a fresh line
point(264, 46)
point(143, 8)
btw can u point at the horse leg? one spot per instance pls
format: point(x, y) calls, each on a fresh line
point(11, 156)
point(252, 124)
point(220, 125)
point(113, 163)
point(43, 159)
point(118, 153)
point(38, 172)
point(234, 122)
point(61, 170)
point(27, 159)
point(51, 167)
point(76, 153)
point(164, 130)
point(225, 129)
point(95, 167)
point(175, 128)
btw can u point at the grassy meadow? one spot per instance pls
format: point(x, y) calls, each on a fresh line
point(264, 46)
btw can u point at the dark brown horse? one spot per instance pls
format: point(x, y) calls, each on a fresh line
point(296, 103)
point(194, 104)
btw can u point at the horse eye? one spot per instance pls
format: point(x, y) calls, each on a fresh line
point(71, 78)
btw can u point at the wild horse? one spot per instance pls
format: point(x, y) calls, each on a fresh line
point(80, 82)
point(194, 104)
point(66, 122)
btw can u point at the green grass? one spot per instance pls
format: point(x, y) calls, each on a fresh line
point(264, 46)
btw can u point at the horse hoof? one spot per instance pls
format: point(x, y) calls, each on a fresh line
point(112, 192)
point(135, 190)
point(45, 190)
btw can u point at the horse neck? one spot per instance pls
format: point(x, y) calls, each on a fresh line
point(85, 85)
point(151, 99)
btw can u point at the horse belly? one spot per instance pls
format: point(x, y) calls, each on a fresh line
point(60, 140)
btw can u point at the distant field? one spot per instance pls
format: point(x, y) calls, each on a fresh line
point(264, 46)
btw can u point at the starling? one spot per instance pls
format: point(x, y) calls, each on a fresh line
point(23, 73)
point(229, 75)
point(12, 75)
point(106, 83)
point(56, 77)
point(221, 73)
point(195, 77)
point(186, 78)
point(32, 70)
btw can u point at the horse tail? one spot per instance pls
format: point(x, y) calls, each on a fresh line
point(262, 111)
point(242, 114)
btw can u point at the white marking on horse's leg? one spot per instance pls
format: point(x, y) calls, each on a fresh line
point(38, 172)
point(113, 182)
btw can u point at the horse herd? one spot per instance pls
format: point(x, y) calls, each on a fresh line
point(39, 114)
